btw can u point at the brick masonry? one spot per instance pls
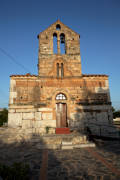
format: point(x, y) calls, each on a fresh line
point(32, 102)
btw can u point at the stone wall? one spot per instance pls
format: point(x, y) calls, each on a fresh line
point(32, 102)
point(71, 59)
point(92, 114)
point(91, 89)
point(29, 117)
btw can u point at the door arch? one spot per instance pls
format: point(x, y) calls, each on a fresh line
point(61, 115)
point(61, 110)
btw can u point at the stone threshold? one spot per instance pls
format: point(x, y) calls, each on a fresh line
point(64, 147)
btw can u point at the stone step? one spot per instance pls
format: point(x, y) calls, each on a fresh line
point(63, 147)
point(84, 145)
point(62, 131)
point(66, 143)
point(67, 147)
point(77, 146)
point(48, 146)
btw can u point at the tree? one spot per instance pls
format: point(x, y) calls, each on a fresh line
point(116, 114)
point(113, 109)
point(3, 116)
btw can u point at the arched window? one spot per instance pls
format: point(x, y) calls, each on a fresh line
point(61, 97)
point(62, 44)
point(55, 43)
point(62, 70)
point(57, 70)
point(58, 27)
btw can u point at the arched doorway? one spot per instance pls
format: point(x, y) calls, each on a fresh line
point(61, 110)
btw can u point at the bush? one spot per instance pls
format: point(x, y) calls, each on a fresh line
point(17, 171)
point(47, 129)
point(116, 114)
point(3, 116)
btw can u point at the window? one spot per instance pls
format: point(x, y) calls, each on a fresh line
point(60, 70)
point(58, 27)
point(61, 97)
point(62, 44)
point(55, 43)
point(57, 70)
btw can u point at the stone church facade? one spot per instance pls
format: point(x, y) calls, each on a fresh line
point(60, 95)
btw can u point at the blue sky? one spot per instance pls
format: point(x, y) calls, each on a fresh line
point(97, 22)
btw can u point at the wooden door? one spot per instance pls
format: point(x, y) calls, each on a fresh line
point(61, 115)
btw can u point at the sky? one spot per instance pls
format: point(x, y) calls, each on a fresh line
point(97, 22)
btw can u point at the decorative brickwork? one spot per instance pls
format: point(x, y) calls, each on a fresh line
point(33, 103)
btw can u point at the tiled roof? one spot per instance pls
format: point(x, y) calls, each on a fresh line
point(94, 75)
point(83, 75)
point(26, 75)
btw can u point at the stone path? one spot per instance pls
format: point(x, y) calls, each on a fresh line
point(83, 164)
point(99, 163)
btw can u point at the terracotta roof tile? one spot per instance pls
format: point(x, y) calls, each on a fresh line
point(94, 75)
point(26, 75)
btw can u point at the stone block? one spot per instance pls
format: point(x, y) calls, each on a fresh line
point(28, 116)
point(37, 124)
point(102, 118)
point(22, 106)
point(49, 123)
point(12, 96)
point(84, 145)
point(40, 130)
point(14, 119)
point(72, 116)
point(27, 124)
point(48, 146)
point(11, 110)
point(46, 116)
point(66, 143)
point(101, 90)
point(53, 140)
point(44, 109)
point(38, 116)
point(12, 84)
point(28, 131)
point(25, 110)
point(67, 147)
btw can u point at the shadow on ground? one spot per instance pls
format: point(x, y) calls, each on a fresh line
point(51, 164)
point(28, 152)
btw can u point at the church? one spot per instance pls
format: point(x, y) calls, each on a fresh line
point(60, 96)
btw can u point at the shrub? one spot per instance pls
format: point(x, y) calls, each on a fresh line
point(47, 129)
point(3, 116)
point(17, 171)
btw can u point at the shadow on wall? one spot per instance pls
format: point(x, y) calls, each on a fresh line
point(94, 114)
point(36, 95)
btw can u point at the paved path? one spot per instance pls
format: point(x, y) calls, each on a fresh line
point(86, 163)
point(99, 163)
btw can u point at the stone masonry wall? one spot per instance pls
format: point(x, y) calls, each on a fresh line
point(47, 59)
point(33, 102)
point(29, 117)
